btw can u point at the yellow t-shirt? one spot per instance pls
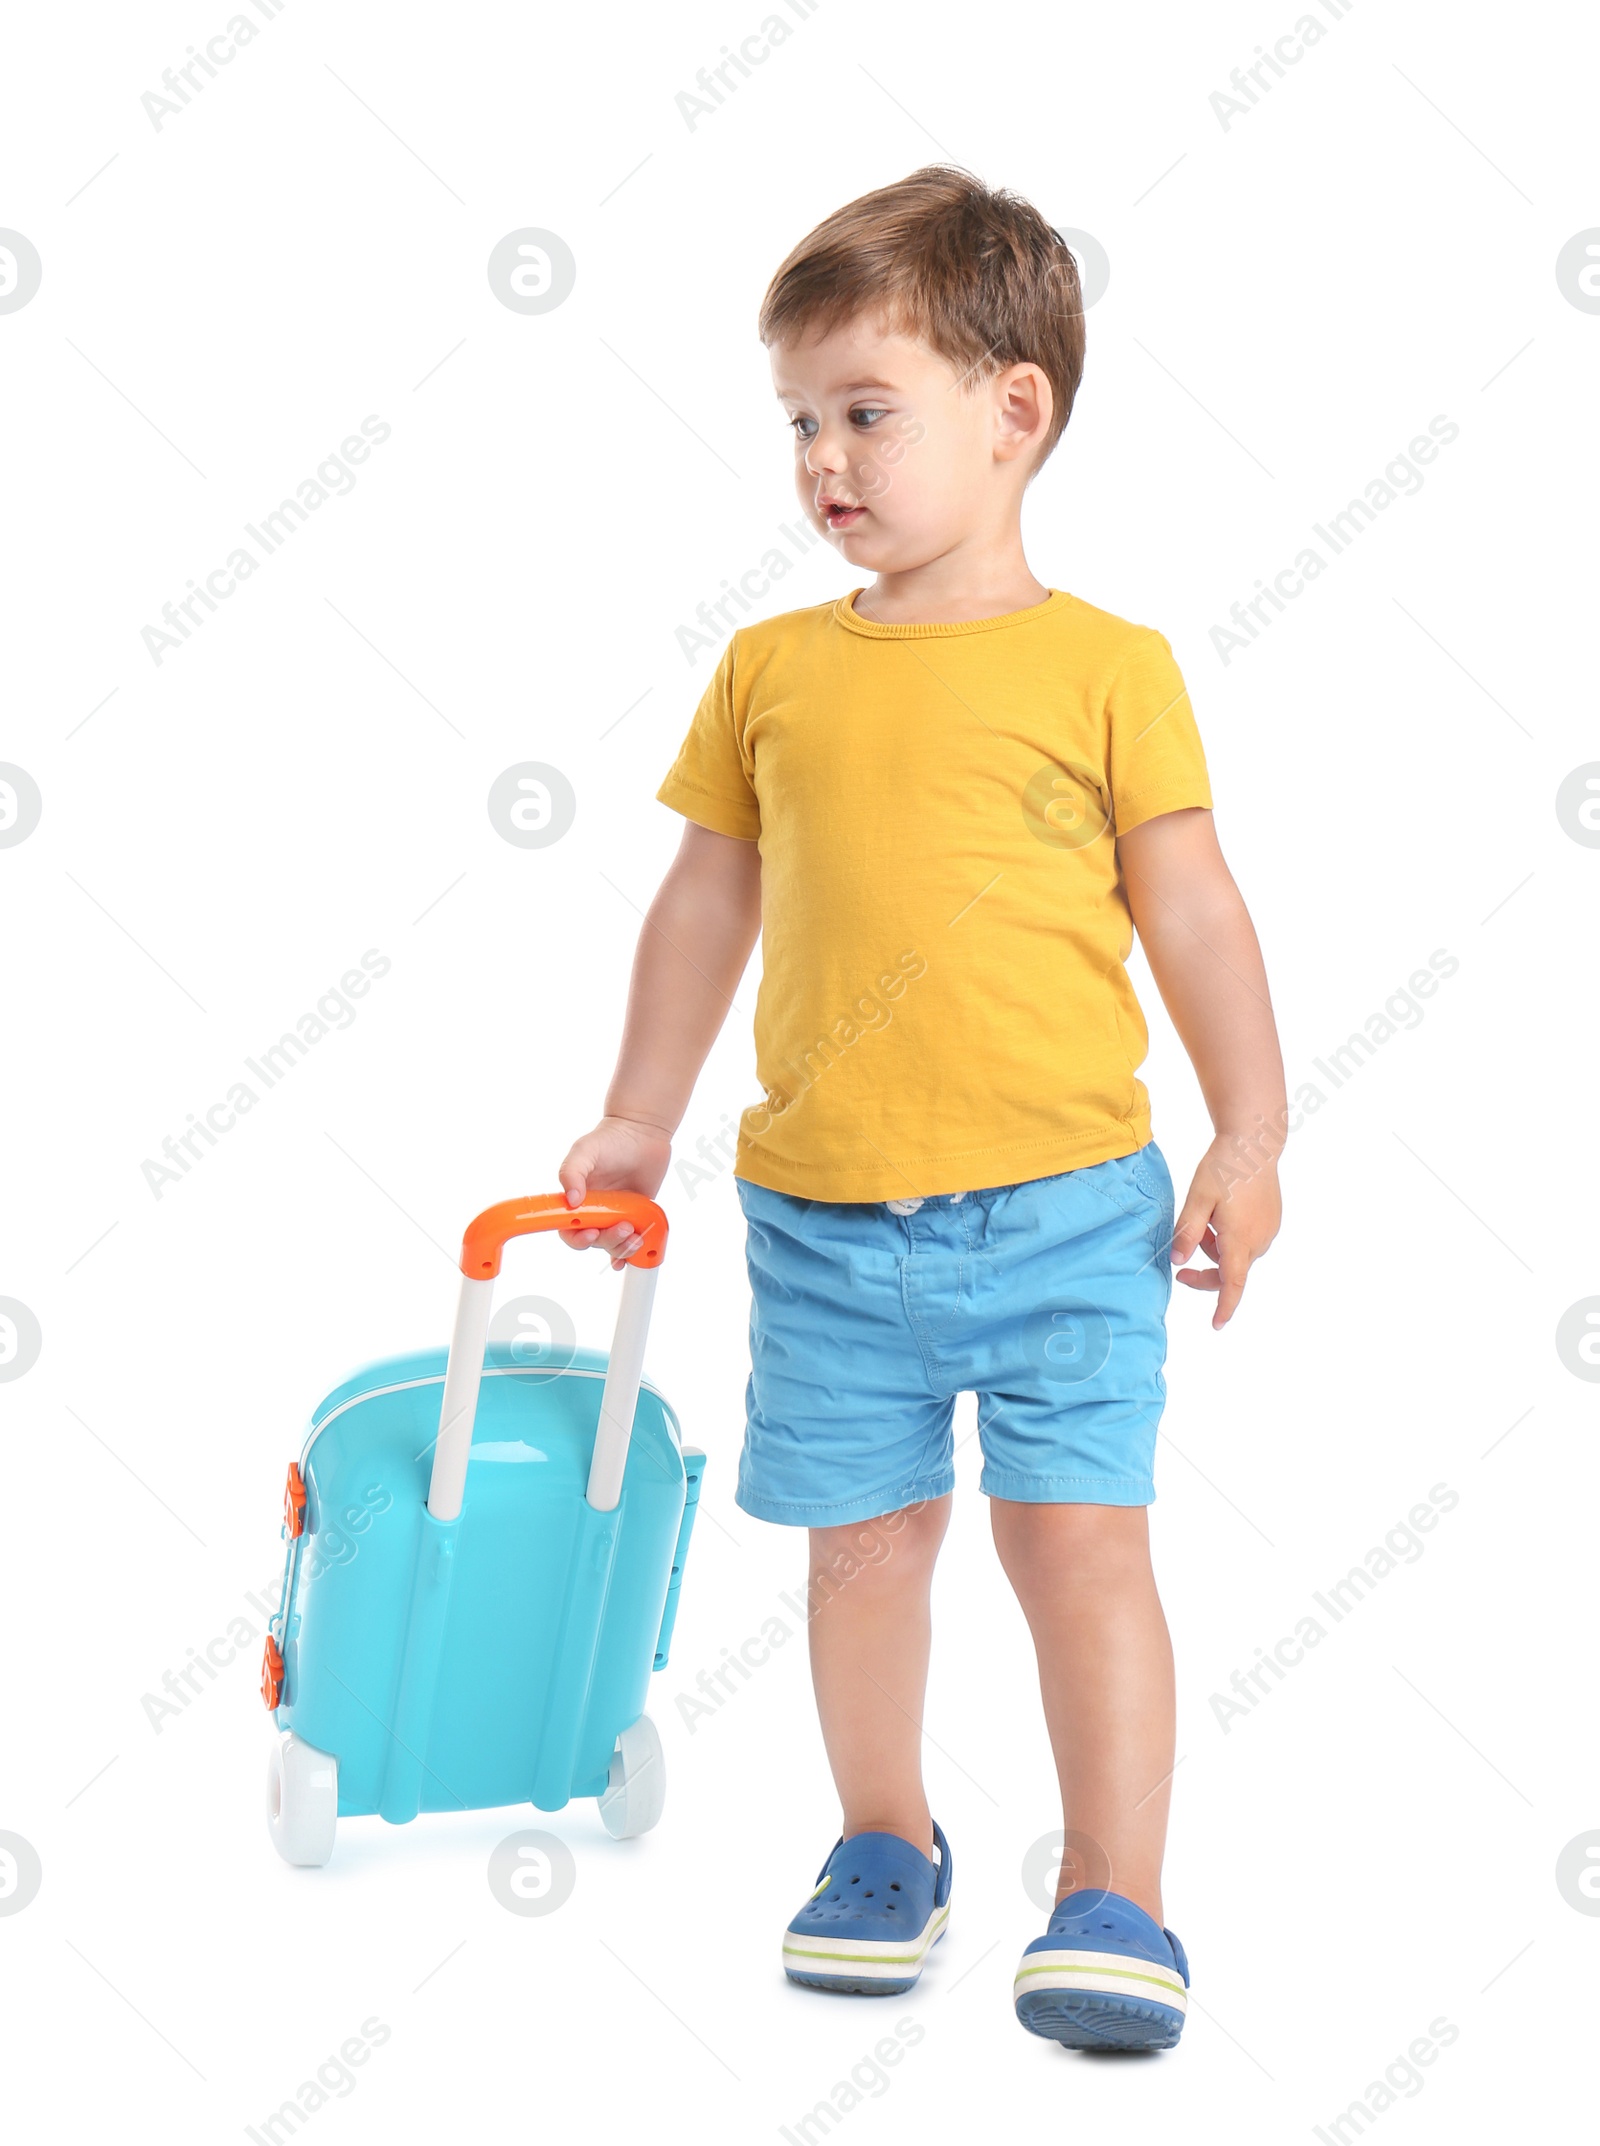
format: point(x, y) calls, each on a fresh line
point(943, 1001)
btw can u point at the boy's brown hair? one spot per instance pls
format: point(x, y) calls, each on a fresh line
point(973, 271)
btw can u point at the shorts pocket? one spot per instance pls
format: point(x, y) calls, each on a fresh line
point(1134, 1184)
point(1148, 1169)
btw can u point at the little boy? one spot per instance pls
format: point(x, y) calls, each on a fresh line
point(945, 802)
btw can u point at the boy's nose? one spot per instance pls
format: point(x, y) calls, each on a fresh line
point(828, 455)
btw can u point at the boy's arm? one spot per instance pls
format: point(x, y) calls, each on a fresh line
point(697, 938)
point(1203, 953)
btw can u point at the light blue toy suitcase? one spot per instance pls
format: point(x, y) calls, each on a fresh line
point(484, 1557)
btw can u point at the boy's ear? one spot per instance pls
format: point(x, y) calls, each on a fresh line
point(1024, 404)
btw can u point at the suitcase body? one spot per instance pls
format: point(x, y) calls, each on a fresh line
point(426, 1660)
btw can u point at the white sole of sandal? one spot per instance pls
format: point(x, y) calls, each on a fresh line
point(1101, 1974)
point(861, 1964)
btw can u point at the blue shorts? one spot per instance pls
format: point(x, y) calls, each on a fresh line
point(1047, 1300)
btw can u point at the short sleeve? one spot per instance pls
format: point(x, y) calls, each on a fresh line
point(1156, 763)
point(710, 781)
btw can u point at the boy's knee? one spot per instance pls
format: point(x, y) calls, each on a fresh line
point(1099, 1542)
point(909, 1536)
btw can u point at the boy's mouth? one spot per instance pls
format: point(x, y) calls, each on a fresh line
point(838, 515)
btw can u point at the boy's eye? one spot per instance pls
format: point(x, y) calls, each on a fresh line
point(803, 428)
point(866, 416)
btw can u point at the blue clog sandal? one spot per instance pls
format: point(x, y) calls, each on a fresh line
point(879, 1908)
point(1104, 1976)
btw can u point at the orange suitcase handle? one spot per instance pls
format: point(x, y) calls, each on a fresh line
point(488, 1233)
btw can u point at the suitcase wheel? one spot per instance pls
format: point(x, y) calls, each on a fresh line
point(637, 1786)
point(302, 1800)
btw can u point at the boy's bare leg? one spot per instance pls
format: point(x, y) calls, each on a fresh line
point(1082, 1574)
point(871, 1628)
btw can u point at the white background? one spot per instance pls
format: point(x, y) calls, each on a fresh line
point(1292, 299)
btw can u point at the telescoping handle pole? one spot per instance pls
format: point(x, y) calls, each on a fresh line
point(481, 1248)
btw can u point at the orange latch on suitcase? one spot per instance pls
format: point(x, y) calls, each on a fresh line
point(294, 1503)
point(271, 1675)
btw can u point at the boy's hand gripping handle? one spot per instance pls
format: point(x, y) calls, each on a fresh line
point(488, 1233)
point(481, 1248)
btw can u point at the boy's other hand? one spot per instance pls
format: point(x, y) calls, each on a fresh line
point(619, 1155)
point(1231, 1215)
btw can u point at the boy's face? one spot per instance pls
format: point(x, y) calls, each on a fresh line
point(897, 456)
